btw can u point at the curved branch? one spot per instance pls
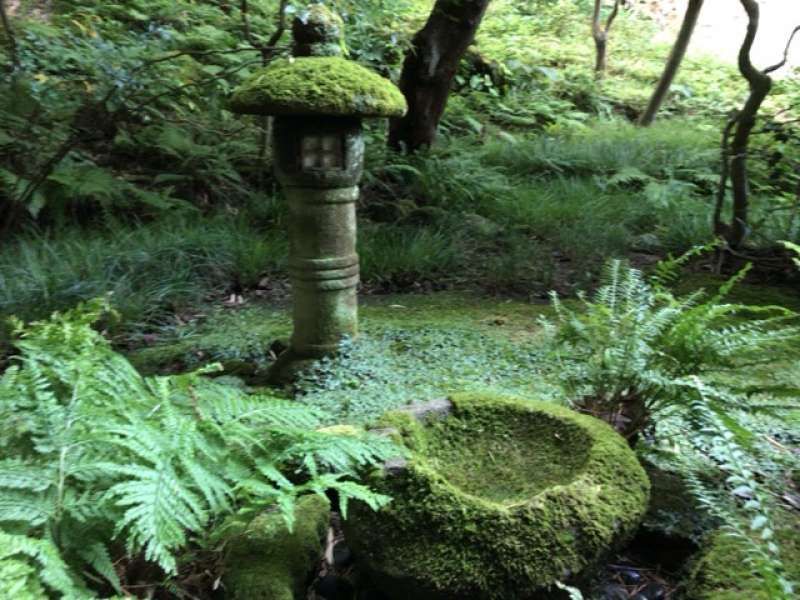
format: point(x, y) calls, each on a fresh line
point(750, 73)
point(777, 66)
point(760, 85)
point(612, 16)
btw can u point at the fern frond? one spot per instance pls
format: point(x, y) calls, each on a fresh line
point(98, 558)
point(52, 570)
point(23, 506)
point(18, 474)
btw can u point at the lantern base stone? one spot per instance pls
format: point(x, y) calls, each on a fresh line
point(287, 367)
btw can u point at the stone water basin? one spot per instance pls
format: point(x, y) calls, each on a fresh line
point(498, 498)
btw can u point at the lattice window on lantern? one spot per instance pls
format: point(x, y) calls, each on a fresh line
point(322, 152)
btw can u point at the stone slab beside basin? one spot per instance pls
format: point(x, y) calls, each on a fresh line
point(499, 498)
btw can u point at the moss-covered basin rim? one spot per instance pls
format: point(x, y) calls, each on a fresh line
point(318, 85)
point(584, 442)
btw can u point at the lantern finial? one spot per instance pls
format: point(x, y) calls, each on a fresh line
point(318, 31)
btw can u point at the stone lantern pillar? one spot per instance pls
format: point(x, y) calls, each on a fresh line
point(318, 99)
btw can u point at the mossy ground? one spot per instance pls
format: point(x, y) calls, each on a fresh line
point(240, 334)
point(410, 347)
point(724, 571)
point(745, 293)
point(266, 560)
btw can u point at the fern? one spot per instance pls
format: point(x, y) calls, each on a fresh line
point(626, 355)
point(16, 575)
point(742, 503)
point(102, 462)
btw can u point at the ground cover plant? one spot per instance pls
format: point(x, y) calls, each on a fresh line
point(124, 176)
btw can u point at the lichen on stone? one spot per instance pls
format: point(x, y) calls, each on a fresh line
point(267, 560)
point(318, 85)
point(500, 499)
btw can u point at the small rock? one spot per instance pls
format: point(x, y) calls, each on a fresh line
point(630, 576)
point(647, 242)
point(654, 591)
point(481, 225)
point(615, 592)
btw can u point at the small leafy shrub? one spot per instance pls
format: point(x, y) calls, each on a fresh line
point(103, 468)
point(635, 351)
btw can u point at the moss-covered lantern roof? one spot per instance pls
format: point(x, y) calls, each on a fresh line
point(318, 85)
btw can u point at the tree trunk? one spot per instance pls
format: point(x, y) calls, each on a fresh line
point(11, 41)
point(673, 63)
point(600, 45)
point(760, 84)
point(600, 35)
point(430, 67)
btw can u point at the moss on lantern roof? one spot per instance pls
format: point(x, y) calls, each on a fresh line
point(318, 85)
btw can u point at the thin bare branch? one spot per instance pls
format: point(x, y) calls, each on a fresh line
point(180, 88)
point(192, 53)
point(281, 28)
point(244, 12)
point(596, 29)
point(267, 50)
point(777, 66)
point(612, 16)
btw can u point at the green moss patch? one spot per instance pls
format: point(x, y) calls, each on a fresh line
point(744, 293)
point(486, 459)
point(318, 85)
point(267, 560)
point(725, 571)
point(237, 338)
point(484, 508)
point(410, 347)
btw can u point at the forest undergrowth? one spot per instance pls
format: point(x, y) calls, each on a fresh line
point(530, 251)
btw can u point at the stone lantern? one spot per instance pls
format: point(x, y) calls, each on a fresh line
point(318, 99)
